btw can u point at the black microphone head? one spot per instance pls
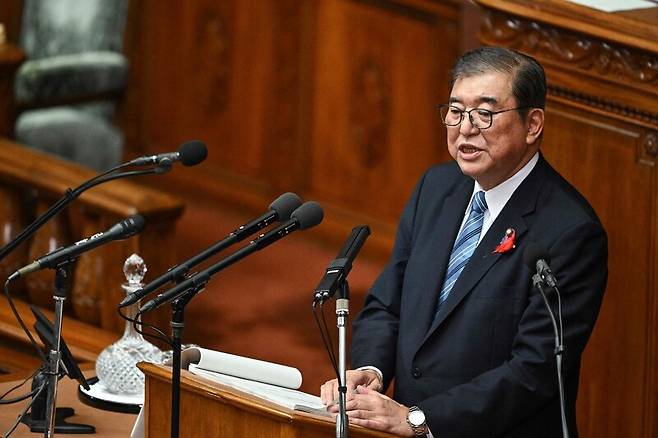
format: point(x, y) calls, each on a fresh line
point(534, 252)
point(132, 225)
point(309, 214)
point(285, 204)
point(192, 152)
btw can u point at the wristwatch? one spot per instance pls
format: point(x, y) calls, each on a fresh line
point(416, 419)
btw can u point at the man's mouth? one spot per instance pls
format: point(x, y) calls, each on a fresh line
point(468, 149)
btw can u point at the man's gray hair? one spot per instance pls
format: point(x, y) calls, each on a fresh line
point(528, 78)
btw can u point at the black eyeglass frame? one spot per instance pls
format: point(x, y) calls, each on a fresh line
point(441, 107)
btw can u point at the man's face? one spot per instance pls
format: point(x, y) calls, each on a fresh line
point(494, 154)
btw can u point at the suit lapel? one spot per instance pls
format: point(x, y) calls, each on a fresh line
point(521, 203)
point(436, 249)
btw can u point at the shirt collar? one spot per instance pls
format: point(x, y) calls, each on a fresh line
point(498, 196)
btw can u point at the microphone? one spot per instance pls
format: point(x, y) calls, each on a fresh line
point(536, 258)
point(122, 230)
point(339, 268)
point(306, 216)
point(189, 153)
point(280, 209)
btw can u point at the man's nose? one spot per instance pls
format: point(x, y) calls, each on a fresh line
point(467, 127)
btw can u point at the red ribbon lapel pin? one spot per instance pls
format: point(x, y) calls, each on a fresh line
point(508, 243)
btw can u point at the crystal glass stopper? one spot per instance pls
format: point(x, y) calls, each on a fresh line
point(134, 269)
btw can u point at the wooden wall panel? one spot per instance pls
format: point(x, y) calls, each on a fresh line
point(599, 156)
point(230, 77)
point(332, 99)
point(380, 72)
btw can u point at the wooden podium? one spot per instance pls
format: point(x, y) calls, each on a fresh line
point(211, 409)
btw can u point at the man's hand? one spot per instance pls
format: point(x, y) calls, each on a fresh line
point(366, 378)
point(373, 410)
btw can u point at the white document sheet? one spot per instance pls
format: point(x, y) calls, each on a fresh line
point(286, 397)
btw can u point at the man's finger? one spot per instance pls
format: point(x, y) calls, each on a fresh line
point(328, 392)
point(362, 414)
point(367, 390)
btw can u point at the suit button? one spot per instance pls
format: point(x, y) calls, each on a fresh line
point(417, 373)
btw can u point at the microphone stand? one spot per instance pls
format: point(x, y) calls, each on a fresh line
point(62, 286)
point(342, 312)
point(538, 282)
point(177, 326)
point(69, 196)
point(335, 280)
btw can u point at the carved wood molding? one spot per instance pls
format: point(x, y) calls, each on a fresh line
point(370, 110)
point(578, 51)
point(650, 144)
point(648, 140)
point(603, 104)
point(287, 75)
point(213, 58)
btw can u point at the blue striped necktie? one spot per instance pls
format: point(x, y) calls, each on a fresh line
point(465, 244)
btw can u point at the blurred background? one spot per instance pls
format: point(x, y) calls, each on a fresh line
point(333, 100)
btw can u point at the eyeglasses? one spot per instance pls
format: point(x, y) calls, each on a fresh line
point(479, 117)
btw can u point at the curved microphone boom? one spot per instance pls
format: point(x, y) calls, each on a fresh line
point(122, 230)
point(306, 216)
point(192, 153)
point(280, 209)
point(189, 153)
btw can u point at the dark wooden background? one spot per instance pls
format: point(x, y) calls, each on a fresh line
point(331, 99)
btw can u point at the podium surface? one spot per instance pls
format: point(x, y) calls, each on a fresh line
point(108, 424)
point(210, 409)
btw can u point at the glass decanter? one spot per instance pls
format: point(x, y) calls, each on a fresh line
point(116, 365)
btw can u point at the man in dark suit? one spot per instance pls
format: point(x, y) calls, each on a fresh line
point(454, 317)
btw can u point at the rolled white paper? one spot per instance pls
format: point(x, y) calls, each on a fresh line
point(248, 368)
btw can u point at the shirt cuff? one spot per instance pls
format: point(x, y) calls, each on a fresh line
point(376, 370)
point(381, 380)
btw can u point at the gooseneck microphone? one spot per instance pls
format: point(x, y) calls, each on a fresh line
point(335, 279)
point(536, 257)
point(279, 210)
point(306, 216)
point(122, 230)
point(189, 153)
point(339, 268)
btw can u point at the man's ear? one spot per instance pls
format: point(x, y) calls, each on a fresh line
point(534, 125)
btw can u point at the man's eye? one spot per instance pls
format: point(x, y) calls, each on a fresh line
point(483, 113)
point(455, 111)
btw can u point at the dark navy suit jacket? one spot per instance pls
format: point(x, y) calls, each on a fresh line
point(485, 367)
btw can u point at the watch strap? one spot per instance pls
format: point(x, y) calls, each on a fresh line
point(420, 429)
